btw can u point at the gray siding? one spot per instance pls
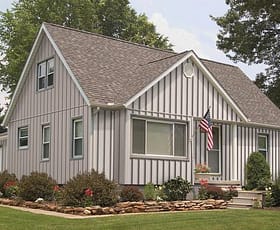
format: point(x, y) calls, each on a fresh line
point(179, 98)
point(176, 97)
point(56, 106)
point(3, 145)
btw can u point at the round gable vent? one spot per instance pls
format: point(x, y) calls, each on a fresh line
point(188, 69)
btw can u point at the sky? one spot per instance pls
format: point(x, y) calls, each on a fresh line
point(187, 24)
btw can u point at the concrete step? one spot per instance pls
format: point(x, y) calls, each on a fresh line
point(243, 200)
point(239, 206)
point(251, 194)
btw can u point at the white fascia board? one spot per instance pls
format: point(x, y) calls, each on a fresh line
point(196, 60)
point(57, 50)
point(22, 77)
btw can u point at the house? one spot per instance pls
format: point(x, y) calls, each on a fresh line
point(86, 101)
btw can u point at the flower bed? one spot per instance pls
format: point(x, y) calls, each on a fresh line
point(123, 207)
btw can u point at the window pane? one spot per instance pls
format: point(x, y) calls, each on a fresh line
point(46, 134)
point(42, 69)
point(41, 84)
point(50, 79)
point(262, 142)
point(23, 132)
point(23, 142)
point(180, 139)
point(138, 136)
point(216, 138)
point(78, 128)
point(159, 138)
point(46, 149)
point(51, 66)
point(78, 147)
point(213, 161)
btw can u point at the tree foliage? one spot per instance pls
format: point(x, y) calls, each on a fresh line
point(250, 33)
point(20, 24)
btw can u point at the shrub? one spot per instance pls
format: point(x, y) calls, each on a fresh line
point(176, 189)
point(36, 185)
point(5, 177)
point(149, 191)
point(275, 193)
point(11, 189)
point(104, 191)
point(213, 192)
point(257, 172)
point(131, 193)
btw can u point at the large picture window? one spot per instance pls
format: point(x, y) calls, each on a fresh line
point(45, 74)
point(77, 142)
point(263, 145)
point(23, 137)
point(214, 154)
point(46, 138)
point(158, 138)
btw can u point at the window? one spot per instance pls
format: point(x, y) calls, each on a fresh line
point(214, 153)
point(46, 137)
point(45, 74)
point(77, 148)
point(158, 138)
point(23, 137)
point(263, 144)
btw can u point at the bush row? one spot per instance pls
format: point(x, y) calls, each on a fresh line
point(87, 189)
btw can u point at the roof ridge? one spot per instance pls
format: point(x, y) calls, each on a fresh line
point(217, 62)
point(109, 37)
point(164, 58)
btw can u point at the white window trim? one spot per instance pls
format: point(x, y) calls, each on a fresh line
point(74, 121)
point(219, 150)
point(266, 143)
point(19, 137)
point(45, 142)
point(45, 75)
point(158, 156)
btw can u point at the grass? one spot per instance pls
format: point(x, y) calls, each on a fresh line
point(227, 219)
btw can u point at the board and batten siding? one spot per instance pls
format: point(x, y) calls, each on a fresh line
point(57, 107)
point(3, 152)
point(247, 143)
point(177, 98)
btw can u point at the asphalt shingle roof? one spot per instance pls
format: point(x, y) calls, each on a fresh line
point(112, 71)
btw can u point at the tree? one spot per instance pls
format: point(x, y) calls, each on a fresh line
point(20, 24)
point(250, 33)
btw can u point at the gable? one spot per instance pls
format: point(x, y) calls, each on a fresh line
point(64, 94)
point(175, 96)
point(43, 48)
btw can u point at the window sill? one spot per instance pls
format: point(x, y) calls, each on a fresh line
point(23, 148)
point(77, 158)
point(158, 157)
point(45, 160)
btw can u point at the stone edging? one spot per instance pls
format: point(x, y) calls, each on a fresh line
point(124, 207)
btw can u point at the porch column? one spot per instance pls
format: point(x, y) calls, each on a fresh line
point(234, 152)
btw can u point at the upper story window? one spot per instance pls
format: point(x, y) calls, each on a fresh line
point(23, 137)
point(163, 138)
point(45, 74)
point(263, 145)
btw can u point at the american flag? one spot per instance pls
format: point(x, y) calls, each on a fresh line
point(205, 125)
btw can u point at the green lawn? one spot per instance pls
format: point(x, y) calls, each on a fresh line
point(11, 219)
